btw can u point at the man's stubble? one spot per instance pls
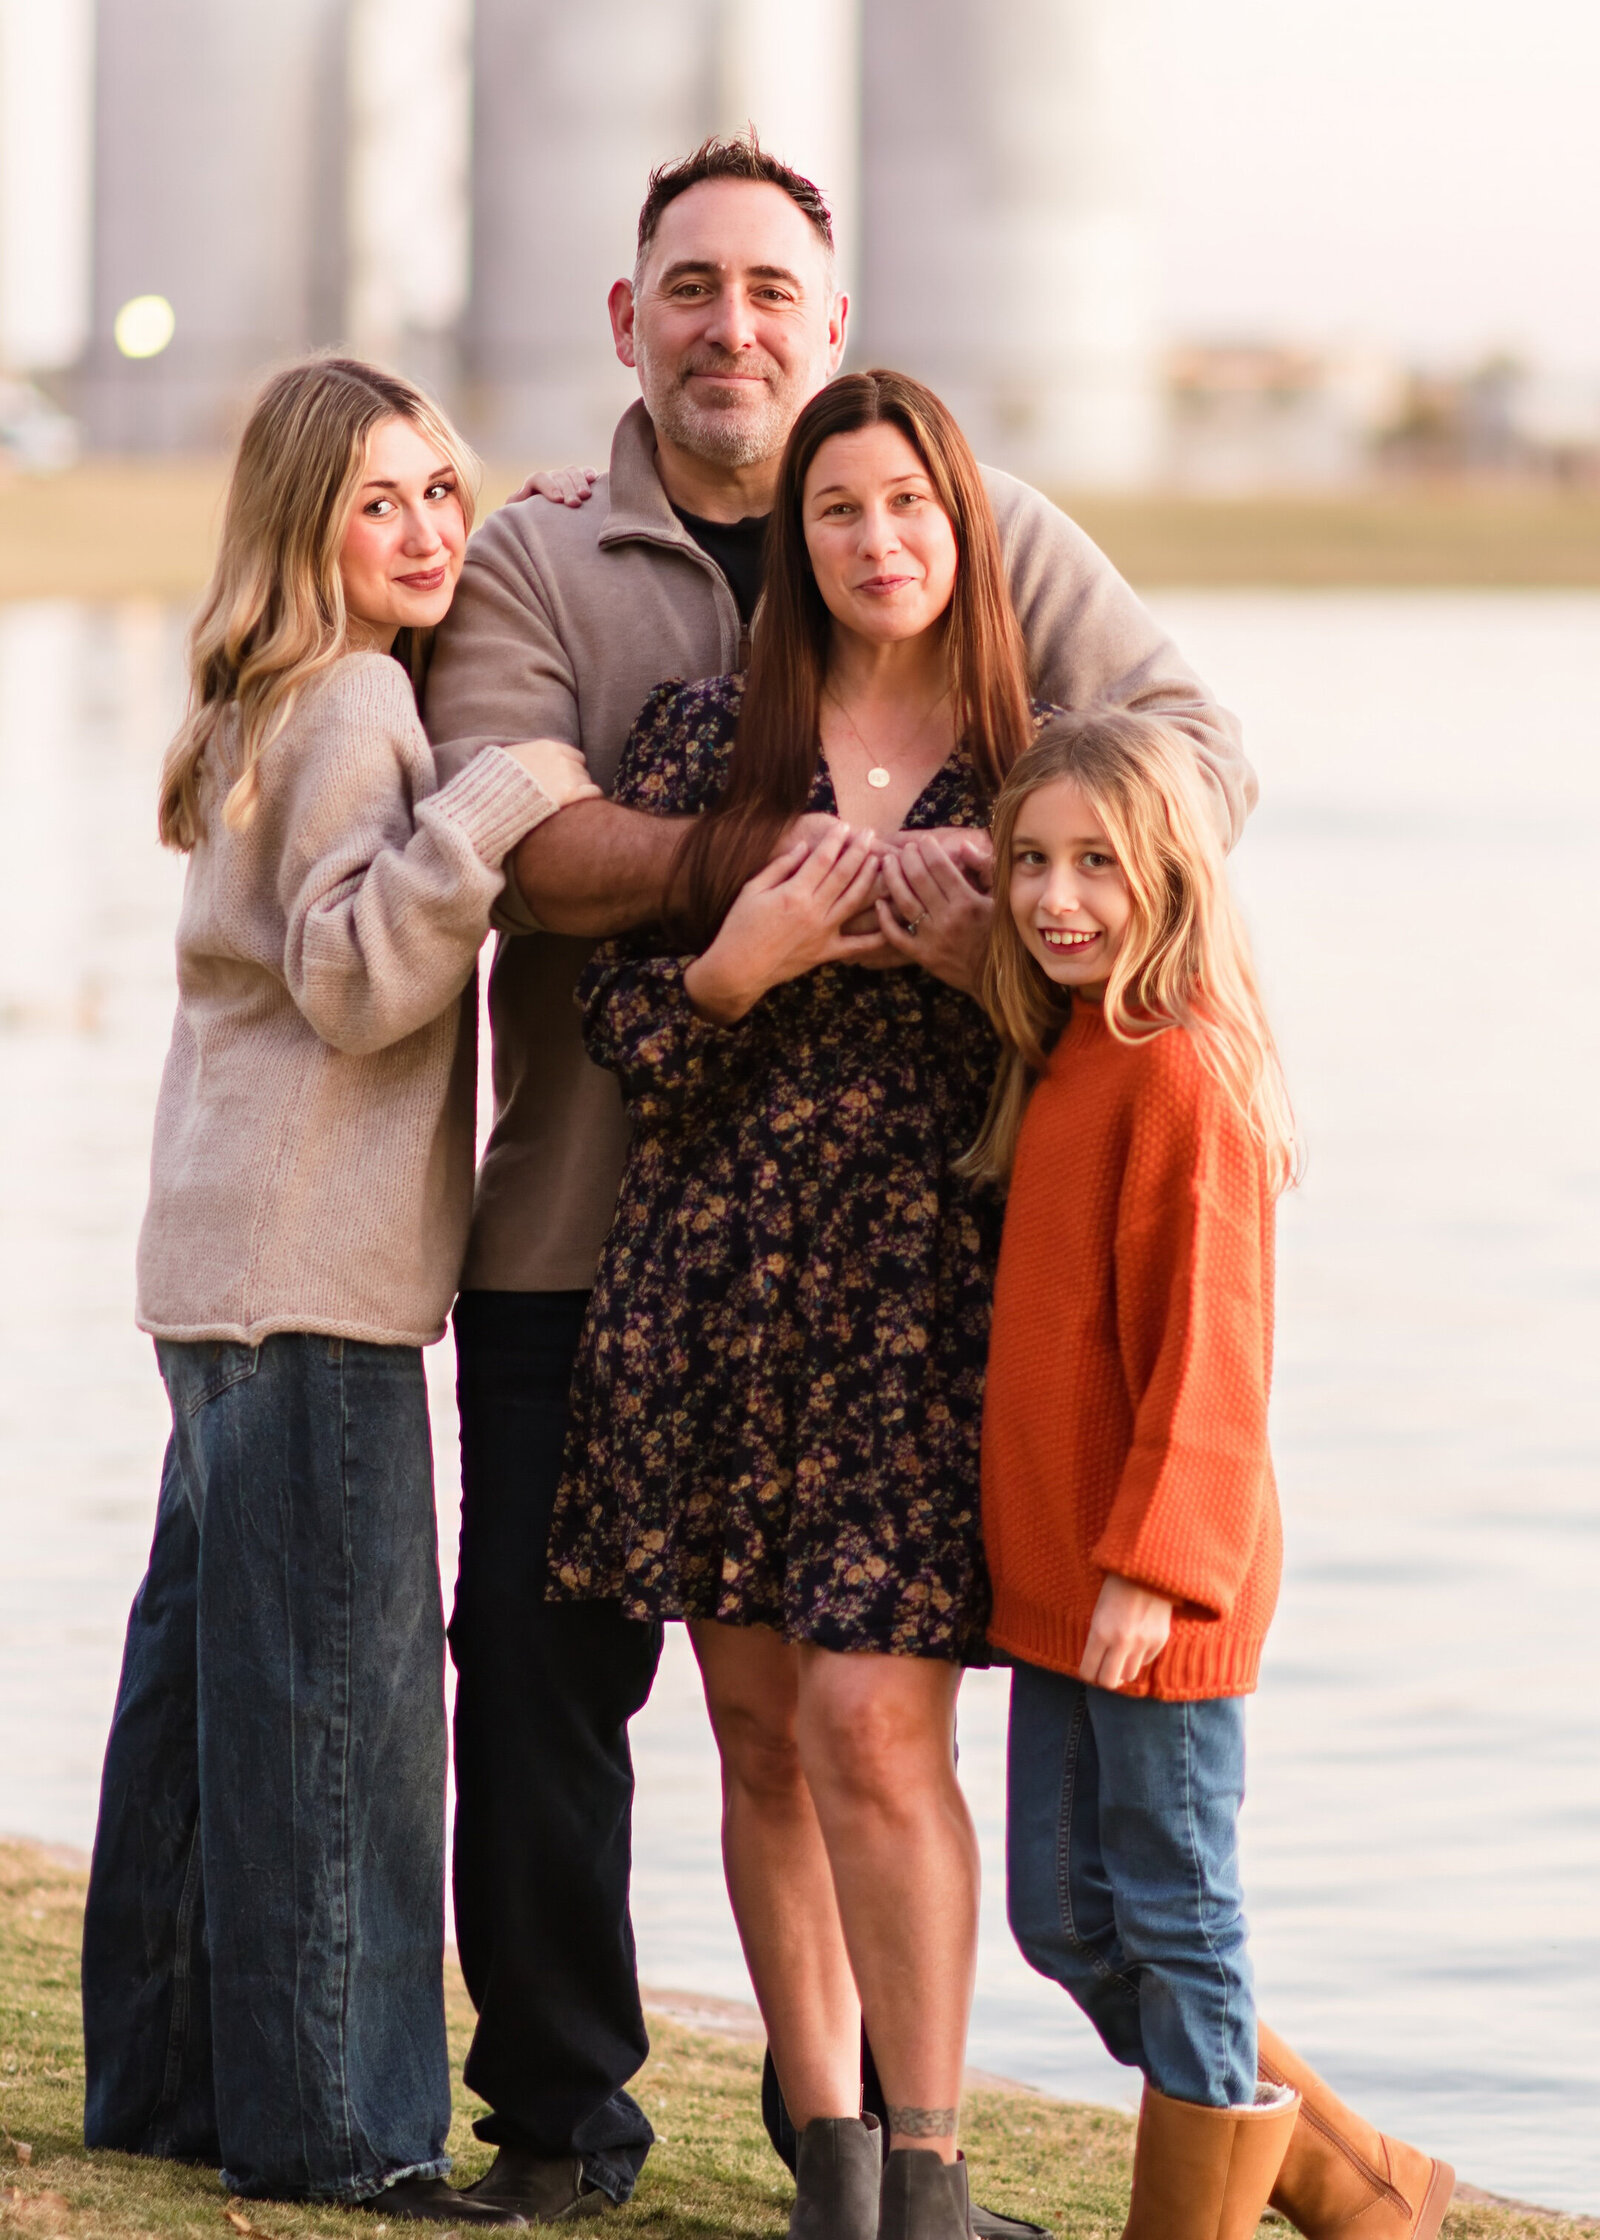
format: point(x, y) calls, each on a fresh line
point(742, 434)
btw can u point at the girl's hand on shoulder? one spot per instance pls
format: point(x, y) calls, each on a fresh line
point(1127, 1633)
point(558, 770)
point(787, 920)
point(563, 486)
point(932, 914)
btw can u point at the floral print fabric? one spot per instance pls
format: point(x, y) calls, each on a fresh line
point(775, 1415)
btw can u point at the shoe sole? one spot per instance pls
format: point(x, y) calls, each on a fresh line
point(1441, 2188)
point(594, 2203)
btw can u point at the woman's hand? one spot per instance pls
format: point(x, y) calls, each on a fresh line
point(786, 921)
point(1127, 1633)
point(559, 770)
point(933, 915)
point(563, 486)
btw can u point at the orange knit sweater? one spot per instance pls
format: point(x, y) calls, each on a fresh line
point(1125, 1425)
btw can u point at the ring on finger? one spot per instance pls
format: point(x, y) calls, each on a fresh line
point(910, 925)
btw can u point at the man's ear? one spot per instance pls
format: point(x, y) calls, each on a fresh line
point(837, 319)
point(620, 305)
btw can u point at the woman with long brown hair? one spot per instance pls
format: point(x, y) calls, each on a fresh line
point(777, 1402)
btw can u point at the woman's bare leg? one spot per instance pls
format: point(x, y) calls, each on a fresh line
point(876, 1738)
point(778, 1874)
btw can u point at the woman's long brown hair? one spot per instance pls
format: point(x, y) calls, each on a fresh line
point(778, 745)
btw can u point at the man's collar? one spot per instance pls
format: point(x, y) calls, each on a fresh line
point(640, 506)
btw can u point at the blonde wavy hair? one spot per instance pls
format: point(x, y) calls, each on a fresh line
point(1185, 958)
point(273, 616)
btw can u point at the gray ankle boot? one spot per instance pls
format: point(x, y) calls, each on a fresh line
point(923, 2197)
point(837, 2174)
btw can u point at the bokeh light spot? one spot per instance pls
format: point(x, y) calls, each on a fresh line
point(144, 326)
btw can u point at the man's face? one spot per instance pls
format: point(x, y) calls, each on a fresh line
point(733, 324)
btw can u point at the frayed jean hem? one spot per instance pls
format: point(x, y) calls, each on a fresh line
point(367, 2189)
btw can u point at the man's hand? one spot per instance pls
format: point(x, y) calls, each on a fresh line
point(1127, 1633)
point(931, 914)
point(563, 486)
point(784, 922)
point(969, 848)
point(815, 826)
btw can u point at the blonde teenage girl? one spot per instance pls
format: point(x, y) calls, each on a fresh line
point(1129, 1512)
point(262, 1951)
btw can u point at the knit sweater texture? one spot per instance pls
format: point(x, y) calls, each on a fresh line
point(1125, 1422)
point(312, 1167)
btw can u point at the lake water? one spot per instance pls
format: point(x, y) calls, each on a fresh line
point(1423, 1831)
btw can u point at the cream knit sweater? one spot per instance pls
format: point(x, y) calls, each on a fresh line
point(312, 1167)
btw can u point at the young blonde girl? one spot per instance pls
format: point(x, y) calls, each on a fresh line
point(1129, 1512)
point(262, 1950)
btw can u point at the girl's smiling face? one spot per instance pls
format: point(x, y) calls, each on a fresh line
point(406, 536)
point(1066, 889)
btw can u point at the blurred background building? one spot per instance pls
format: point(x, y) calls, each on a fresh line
point(194, 190)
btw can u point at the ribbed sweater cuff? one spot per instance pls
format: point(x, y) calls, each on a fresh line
point(495, 802)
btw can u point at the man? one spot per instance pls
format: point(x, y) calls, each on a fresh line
point(565, 620)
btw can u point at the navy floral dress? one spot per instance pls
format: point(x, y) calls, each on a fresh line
point(775, 1412)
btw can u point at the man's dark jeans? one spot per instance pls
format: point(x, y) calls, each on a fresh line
point(544, 1774)
point(263, 1945)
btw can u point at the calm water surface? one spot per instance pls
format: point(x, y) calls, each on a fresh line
point(1424, 1822)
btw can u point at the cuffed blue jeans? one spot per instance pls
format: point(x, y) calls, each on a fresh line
point(263, 1944)
point(1122, 1875)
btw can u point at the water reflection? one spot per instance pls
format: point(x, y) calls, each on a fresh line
point(1425, 1812)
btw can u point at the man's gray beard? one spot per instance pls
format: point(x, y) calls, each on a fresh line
point(725, 439)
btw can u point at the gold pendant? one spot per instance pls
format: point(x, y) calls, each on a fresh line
point(878, 777)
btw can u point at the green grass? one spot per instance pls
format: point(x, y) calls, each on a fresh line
point(711, 2174)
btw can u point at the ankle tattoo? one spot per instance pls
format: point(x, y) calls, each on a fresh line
point(922, 2123)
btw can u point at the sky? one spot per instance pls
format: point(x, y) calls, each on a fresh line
point(1422, 173)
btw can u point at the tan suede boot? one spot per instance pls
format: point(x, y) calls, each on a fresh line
point(1342, 2179)
point(1205, 2173)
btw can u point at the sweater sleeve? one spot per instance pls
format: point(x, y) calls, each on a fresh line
point(386, 884)
point(1090, 637)
point(1193, 1277)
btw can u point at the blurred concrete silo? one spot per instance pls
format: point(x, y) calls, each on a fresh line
point(795, 73)
point(572, 106)
point(408, 227)
point(219, 190)
point(1008, 240)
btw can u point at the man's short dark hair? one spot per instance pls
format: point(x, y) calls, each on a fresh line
point(741, 157)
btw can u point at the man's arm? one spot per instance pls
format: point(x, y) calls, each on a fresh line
point(1090, 638)
point(605, 874)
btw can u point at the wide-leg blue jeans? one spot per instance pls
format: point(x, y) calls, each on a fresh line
point(1122, 1875)
point(263, 1945)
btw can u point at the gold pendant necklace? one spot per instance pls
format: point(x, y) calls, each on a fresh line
point(877, 776)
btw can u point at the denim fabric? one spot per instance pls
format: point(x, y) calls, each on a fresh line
point(262, 1964)
point(544, 1774)
point(1122, 1875)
